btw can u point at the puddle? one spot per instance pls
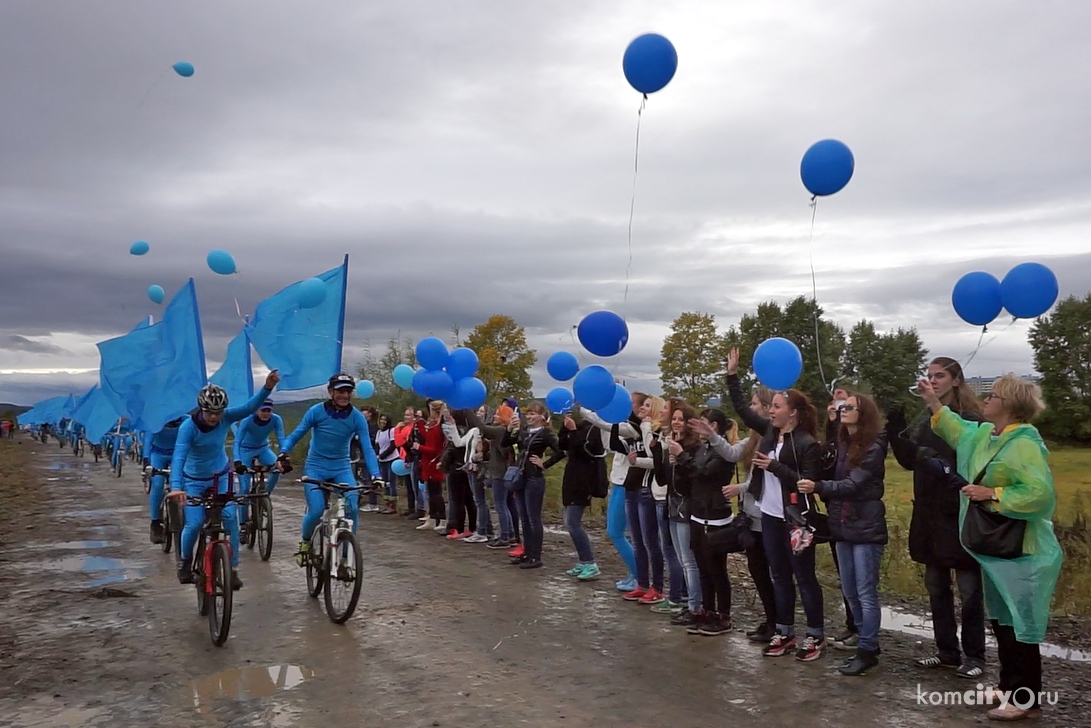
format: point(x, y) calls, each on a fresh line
point(246, 683)
point(921, 626)
point(58, 466)
point(109, 511)
point(101, 569)
point(68, 545)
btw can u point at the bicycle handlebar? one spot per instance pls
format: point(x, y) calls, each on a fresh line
point(337, 487)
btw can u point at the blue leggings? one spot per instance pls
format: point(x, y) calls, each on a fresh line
point(617, 521)
point(195, 518)
point(316, 500)
point(266, 457)
point(158, 485)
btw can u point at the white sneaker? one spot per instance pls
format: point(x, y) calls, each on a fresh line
point(427, 525)
point(476, 538)
point(442, 527)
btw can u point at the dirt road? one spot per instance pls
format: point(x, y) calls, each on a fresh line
point(97, 631)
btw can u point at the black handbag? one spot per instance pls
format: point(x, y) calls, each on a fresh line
point(990, 533)
point(732, 538)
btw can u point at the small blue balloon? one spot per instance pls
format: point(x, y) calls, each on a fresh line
point(1029, 290)
point(467, 393)
point(603, 333)
point(649, 63)
point(183, 69)
point(311, 292)
point(155, 293)
point(221, 261)
point(619, 408)
point(562, 366)
point(593, 387)
point(432, 353)
point(826, 167)
point(399, 467)
point(139, 248)
point(403, 376)
point(778, 363)
point(559, 400)
point(462, 363)
point(977, 298)
point(365, 388)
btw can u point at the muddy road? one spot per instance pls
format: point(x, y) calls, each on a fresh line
point(97, 632)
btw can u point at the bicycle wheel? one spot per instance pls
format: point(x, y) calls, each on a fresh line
point(316, 562)
point(343, 582)
point(251, 523)
point(147, 483)
point(199, 576)
point(164, 518)
point(95, 451)
point(119, 459)
point(219, 602)
point(264, 526)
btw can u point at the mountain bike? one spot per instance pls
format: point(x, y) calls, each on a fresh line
point(81, 447)
point(119, 459)
point(170, 513)
point(333, 562)
point(258, 527)
point(96, 450)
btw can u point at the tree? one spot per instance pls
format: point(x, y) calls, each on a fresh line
point(1062, 353)
point(691, 358)
point(886, 363)
point(389, 398)
point(505, 359)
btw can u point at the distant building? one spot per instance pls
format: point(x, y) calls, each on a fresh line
point(983, 385)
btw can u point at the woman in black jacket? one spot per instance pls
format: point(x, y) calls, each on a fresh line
point(532, 440)
point(788, 452)
point(853, 491)
point(584, 475)
point(933, 531)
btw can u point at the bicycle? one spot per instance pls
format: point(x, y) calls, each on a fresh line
point(119, 459)
point(81, 448)
point(96, 450)
point(258, 527)
point(333, 536)
point(169, 515)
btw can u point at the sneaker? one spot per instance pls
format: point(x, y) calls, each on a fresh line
point(575, 570)
point(236, 582)
point(652, 596)
point(531, 564)
point(464, 535)
point(441, 527)
point(694, 627)
point(428, 525)
point(517, 552)
point(847, 641)
point(157, 532)
point(779, 645)
point(518, 560)
point(185, 574)
point(1010, 713)
point(936, 661)
point(970, 671)
point(477, 538)
point(368, 508)
point(668, 607)
point(303, 553)
point(590, 571)
point(635, 595)
point(500, 543)
point(715, 626)
point(685, 618)
point(763, 633)
point(811, 649)
point(626, 585)
point(453, 535)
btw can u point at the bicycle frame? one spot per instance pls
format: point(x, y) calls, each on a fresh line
point(213, 532)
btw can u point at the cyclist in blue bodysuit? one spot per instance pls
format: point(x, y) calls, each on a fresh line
point(334, 422)
point(75, 432)
point(158, 451)
point(200, 463)
point(252, 441)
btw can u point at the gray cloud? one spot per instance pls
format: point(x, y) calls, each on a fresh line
point(22, 343)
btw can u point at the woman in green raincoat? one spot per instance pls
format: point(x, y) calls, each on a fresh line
point(1017, 483)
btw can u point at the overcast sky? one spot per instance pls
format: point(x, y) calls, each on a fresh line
point(477, 158)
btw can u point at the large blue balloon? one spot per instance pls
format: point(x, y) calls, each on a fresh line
point(559, 400)
point(433, 384)
point(139, 248)
point(183, 69)
point(467, 393)
point(649, 63)
point(603, 333)
point(312, 292)
point(619, 408)
point(562, 366)
point(777, 363)
point(156, 294)
point(826, 167)
point(593, 387)
point(221, 261)
point(462, 363)
point(403, 376)
point(399, 467)
point(365, 388)
point(1028, 290)
point(432, 353)
point(976, 298)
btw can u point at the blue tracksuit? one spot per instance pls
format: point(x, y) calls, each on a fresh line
point(328, 457)
point(252, 441)
point(158, 450)
point(200, 463)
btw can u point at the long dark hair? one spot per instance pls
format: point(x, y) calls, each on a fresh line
point(689, 437)
point(963, 398)
point(805, 411)
point(725, 427)
point(867, 428)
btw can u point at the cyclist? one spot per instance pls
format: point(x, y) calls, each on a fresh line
point(75, 431)
point(120, 438)
point(252, 441)
point(200, 464)
point(158, 451)
point(334, 422)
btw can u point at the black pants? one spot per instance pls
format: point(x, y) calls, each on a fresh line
point(462, 501)
point(937, 580)
point(437, 507)
point(1020, 666)
point(712, 565)
point(849, 622)
point(758, 563)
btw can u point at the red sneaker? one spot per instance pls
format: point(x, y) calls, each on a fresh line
point(635, 595)
point(516, 552)
point(652, 596)
point(453, 535)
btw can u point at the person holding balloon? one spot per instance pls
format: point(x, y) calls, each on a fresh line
point(532, 440)
point(429, 448)
point(403, 437)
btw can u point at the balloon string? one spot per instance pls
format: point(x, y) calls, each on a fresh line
point(814, 293)
point(632, 200)
point(235, 294)
point(980, 345)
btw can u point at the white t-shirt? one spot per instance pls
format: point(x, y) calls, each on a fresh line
point(772, 496)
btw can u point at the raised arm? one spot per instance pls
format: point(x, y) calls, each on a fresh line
point(234, 414)
point(749, 417)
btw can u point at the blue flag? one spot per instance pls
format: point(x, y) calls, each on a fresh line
point(96, 415)
point(152, 374)
point(69, 408)
point(236, 375)
point(304, 344)
point(48, 411)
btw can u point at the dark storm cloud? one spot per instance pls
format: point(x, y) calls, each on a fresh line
point(16, 342)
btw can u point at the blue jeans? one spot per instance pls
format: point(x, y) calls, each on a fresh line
point(195, 518)
point(680, 538)
point(784, 565)
point(500, 493)
point(678, 592)
point(649, 555)
point(264, 456)
point(316, 500)
point(860, 583)
point(386, 470)
point(573, 521)
point(528, 498)
point(484, 518)
point(616, 523)
point(158, 485)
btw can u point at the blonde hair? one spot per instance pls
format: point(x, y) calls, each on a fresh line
point(435, 407)
point(1021, 399)
point(765, 396)
point(656, 406)
point(539, 408)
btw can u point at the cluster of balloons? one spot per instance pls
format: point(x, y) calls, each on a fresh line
point(446, 375)
point(603, 333)
point(827, 167)
point(1027, 291)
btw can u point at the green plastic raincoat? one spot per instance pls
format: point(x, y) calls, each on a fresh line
point(1017, 591)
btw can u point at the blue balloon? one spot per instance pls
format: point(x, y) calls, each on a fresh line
point(777, 363)
point(468, 393)
point(220, 261)
point(976, 298)
point(603, 333)
point(562, 366)
point(594, 387)
point(826, 167)
point(183, 69)
point(139, 248)
point(462, 363)
point(420, 381)
point(433, 384)
point(312, 292)
point(399, 467)
point(559, 400)
point(403, 376)
point(649, 63)
point(620, 406)
point(365, 388)
point(155, 293)
point(1029, 290)
point(432, 353)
